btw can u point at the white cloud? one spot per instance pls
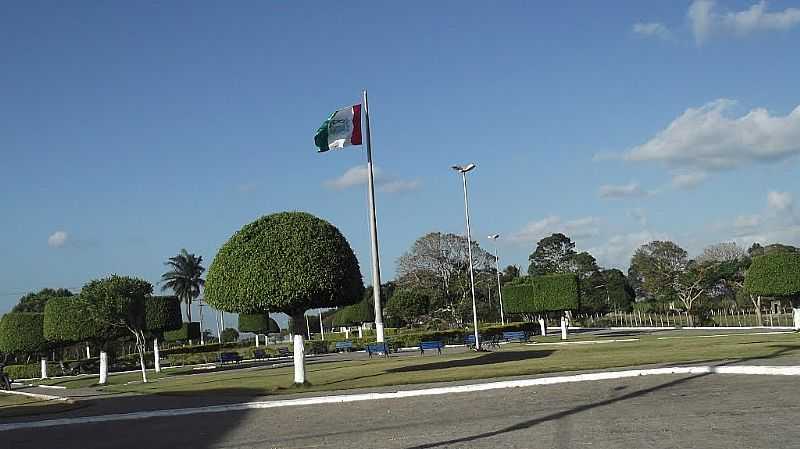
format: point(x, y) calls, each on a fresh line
point(705, 21)
point(779, 201)
point(534, 231)
point(618, 249)
point(746, 221)
point(708, 138)
point(57, 239)
point(651, 29)
point(688, 180)
point(620, 191)
point(357, 175)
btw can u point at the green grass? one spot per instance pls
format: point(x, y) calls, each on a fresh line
point(12, 400)
point(510, 360)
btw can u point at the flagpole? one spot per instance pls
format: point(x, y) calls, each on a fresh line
point(373, 230)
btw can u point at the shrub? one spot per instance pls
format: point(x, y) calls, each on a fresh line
point(162, 313)
point(230, 335)
point(32, 370)
point(539, 294)
point(774, 274)
point(22, 332)
point(258, 323)
point(187, 331)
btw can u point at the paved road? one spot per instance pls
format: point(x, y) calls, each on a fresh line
point(708, 411)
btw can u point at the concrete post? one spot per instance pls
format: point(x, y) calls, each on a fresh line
point(360, 331)
point(156, 356)
point(88, 353)
point(563, 328)
point(543, 326)
point(103, 367)
point(299, 360)
point(44, 367)
point(796, 316)
point(347, 333)
point(256, 340)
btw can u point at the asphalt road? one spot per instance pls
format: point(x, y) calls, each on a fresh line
point(705, 411)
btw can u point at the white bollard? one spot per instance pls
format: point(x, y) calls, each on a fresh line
point(543, 326)
point(796, 316)
point(360, 331)
point(44, 367)
point(156, 356)
point(256, 340)
point(103, 367)
point(563, 328)
point(347, 333)
point(299, 360)
point(88, 353)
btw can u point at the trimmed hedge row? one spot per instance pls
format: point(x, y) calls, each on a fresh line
point(776, 274)
point(21, 332)
point(259, 323)
point(456, 336)
point(187, 331)
point(162, 313)
point(32, 370)
point(550, 293)
point(65, 321)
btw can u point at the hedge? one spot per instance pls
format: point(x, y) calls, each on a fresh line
point(456, 336)
point(549, 293)
point(65, 321)
point(775, 274)
point(162, 313)
point(32, 370)
point(258, 323)
point(355, 314)
point(187, 331)
point(22, 332)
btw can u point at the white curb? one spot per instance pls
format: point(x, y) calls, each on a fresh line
point(341, 399)
point(46, 397)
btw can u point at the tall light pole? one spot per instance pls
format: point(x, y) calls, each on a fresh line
point(494, 238)
point(464, 170)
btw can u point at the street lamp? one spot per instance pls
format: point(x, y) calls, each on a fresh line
point(494, 238)
point(464, 170)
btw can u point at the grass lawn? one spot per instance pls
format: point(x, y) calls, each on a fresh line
point(12, 405)
point(510, 360)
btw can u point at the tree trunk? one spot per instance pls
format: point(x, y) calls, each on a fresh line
point(88, 353)
point(156, 356)
point(756, 300)
point(563, 327)
point(543, 326)
point(360, 331)
point(796, 316)
point(189, 309)
point(44, 367)
point(256, 340)
point(299, 354)
point(103, 367)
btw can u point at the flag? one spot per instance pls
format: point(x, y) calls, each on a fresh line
point(342, 128)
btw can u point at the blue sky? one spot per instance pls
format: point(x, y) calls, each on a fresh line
point(131, 130)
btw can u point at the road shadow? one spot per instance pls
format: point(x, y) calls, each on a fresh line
point(488, 358)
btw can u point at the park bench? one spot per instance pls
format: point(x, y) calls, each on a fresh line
point(232, 357)
point(520, 336)
point(260, 354)
point(436, 344)
point(284, 352)
point(344, 346)
point(378, 348)
point(469, 341)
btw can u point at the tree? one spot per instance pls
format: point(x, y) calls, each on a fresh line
point(258, 323)
point(286, 262)
point(408, 306)
point(230, 335)
point(162, 314)
point(619, 293)
point(542, 295)
point(184, 278)
point(22, 333)
point(722, 252)
point(65, 323)
point(654, 268)
point(553, 254)
point(693, 282)
point(35, 302)
point(776, 274)
point(117, 304)
point(510, 273)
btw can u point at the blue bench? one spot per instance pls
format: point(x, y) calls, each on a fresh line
point(284, 352)
point(437, 345)
point(231, 357)
point(378, 348)
point(345, 346)
point(260, 354)
point(469, 341)
point(520, 336)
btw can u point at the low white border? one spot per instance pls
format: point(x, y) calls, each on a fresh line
point(46, 397)
point(345, 398)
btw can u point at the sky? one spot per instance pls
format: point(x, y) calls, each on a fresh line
point(130, 130)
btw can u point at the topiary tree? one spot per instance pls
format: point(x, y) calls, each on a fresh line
point(258, 323)
point(286, 262)
point(776, 274)
point(65, 323)
point(161, 314)
point(187, 332)
point(117, 305)
point(408, 306)
point(22, 333)
point(230, 335)
point(542, 295)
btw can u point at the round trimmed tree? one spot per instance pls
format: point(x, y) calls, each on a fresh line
point(777, 275)
point(21, 333)
point(161, 314)
point(286, 262)
point(542, 295)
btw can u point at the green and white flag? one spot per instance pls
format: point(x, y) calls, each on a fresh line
point(342, 128)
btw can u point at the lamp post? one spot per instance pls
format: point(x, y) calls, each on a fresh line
point(494, 238)
point(464, 170)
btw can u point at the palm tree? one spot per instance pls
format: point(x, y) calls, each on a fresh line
point(184, 279)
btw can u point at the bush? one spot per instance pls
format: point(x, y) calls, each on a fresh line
point(32, 370)
point(230, 335)
point(65, 321)
point(775, 274)
point(162, 313)
point(258, 323)
point(187, 331)
point(22, 333)
point(539, 294)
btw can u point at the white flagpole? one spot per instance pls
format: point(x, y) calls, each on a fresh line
point(373, 228)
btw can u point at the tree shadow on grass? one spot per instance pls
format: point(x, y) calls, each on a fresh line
point(488, 358)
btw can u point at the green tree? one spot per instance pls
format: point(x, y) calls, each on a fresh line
point(619, 293)
point(117, 304)
point(553, 254)
point(230, 335)
point(35, 302)
point(286, 262)
point(184, 278)
point(161, 314)
point(776, 274)
point(408, 306)
point(22, 334)
point(654, 268)
point(510, 273)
